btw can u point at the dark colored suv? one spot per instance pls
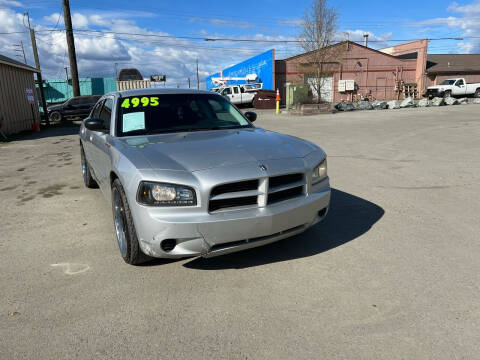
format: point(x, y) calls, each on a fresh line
point(76, 107)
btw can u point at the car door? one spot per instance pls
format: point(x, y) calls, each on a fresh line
point(71, 107)
point(101, 146)
point(459, 88)
point(83, 106)
point(228, 93)
point(236, 95)
point(88, 146)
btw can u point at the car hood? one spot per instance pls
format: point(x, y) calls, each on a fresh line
point(208, 149)
point(54, 107)
point(436, 87)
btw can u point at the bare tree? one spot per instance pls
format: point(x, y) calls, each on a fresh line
point(318, 30)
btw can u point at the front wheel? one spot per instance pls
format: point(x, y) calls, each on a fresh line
point(124, 227)
point(447, 94)
point(55, 116)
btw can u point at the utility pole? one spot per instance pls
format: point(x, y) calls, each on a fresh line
point(22, 50)
point(198, 79)
point(37, 65)
point(116, 70)
point(189, 83)
point(71, 47)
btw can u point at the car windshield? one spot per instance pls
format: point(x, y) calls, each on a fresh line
point(448, 82)
point(166, 113)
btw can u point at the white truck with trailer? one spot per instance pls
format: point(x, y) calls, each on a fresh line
point(238, 94)
point(454, 87)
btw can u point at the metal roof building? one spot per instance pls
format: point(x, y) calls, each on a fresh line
point(447, 66)
point(18, 98)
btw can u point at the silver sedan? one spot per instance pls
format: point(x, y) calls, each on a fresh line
point(188, 174)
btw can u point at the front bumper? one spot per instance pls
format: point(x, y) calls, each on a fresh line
point(431, 93)
point(207, 234)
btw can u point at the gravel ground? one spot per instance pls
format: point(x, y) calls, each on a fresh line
point(393, 272)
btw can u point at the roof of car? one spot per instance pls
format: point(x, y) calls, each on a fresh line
point(159, 91)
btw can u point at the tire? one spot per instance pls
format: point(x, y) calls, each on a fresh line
point(86, 174)
point(55, 116)
point(477, 94)
point(447, 94)
point(124, 228)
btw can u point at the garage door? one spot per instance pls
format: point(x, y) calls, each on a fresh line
point(325, 88)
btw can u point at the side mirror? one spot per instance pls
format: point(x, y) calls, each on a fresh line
point(251, 116)
point(94, 124)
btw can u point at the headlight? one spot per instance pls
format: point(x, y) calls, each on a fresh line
point(158, 194)
point(320, 172)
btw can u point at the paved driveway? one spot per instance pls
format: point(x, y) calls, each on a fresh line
point(393, 273)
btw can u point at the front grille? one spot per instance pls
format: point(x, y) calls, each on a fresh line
point(284, 180)
point(235, 187)
point(284, 195)
point(257, 192)
point(233, 202)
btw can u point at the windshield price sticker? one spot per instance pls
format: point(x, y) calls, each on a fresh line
point(143, 101)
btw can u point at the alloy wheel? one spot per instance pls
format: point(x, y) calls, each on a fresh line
point(119, 221)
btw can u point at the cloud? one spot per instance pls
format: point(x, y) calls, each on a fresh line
point(98, 50)
point(471, 9)
point(225, 23)
point(467, 21)
point(375, 41)
point(11, 3)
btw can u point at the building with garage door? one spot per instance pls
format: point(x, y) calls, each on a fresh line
point(354, 71)
point(18, 98)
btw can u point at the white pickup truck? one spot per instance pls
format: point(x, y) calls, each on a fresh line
point(237, 94)
point(454, 87)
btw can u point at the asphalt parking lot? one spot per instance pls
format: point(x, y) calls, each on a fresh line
point(393, 272)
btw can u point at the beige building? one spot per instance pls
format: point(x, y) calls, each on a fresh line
point(18, 97)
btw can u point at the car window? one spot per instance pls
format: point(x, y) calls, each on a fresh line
point(164, 113)
point(235, 90)
point(74, 101)
point(448, 82)
point(227, 91)
point(83, 100)
point(96, 110)
point(106, 112)
point(460, 82)
point(92, 99)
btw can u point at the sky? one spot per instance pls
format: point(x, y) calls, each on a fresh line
point(170, 35)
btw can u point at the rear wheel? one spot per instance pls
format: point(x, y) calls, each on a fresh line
point(477, 93)
point(124, 227)
point(87, 175)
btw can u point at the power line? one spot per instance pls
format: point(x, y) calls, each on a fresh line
point(212, 39)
